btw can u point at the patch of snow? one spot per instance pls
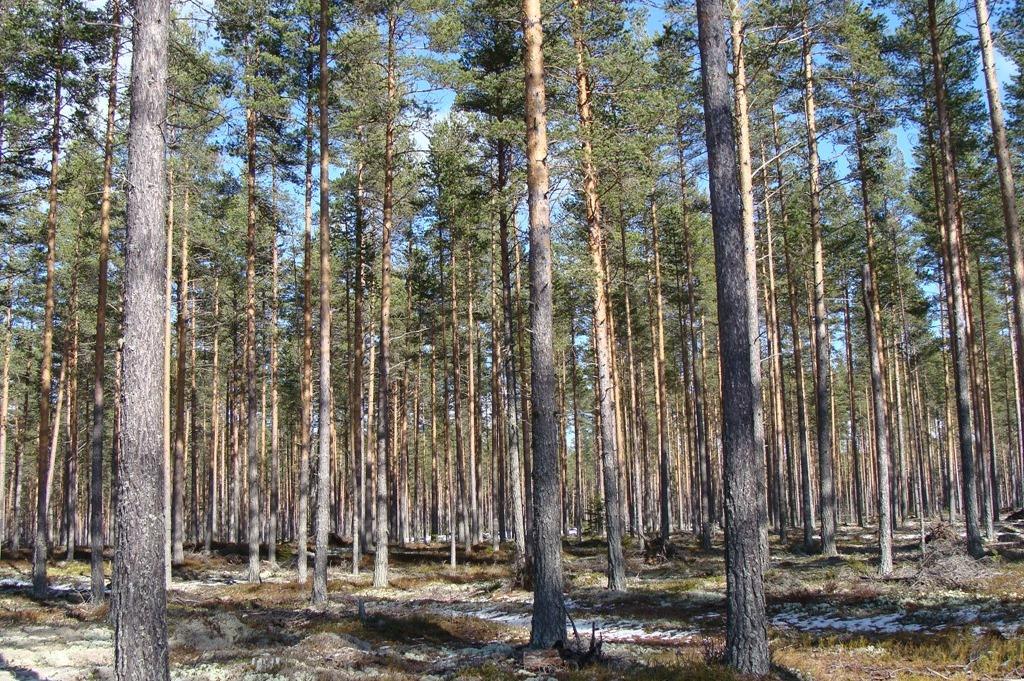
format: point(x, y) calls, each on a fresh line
point(891, 623)
point(610, 629)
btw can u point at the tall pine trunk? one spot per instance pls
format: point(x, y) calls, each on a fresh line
point(306, 363)
point(746, 626)
point(384, 434)
point(749, 258)
point(40, 549)
point(5, 385)
point(1007, 194)
point(323, 501)
point(822, 342)
point(213, 499)
point(251, 416)
point(548, 624)
point(602, 340)
point(660, 390)
point(275, 435)
point(881, 421)
point(139, 597)
point(99, 349)
point(356, 399)
point(959, 330)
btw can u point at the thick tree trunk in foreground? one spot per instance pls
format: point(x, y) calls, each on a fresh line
point(746, 628)
point(959, 330)
point(548, 625)
point(323, 479)
point(602, 342)
point(139, 598)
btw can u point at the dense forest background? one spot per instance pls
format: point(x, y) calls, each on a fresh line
point(873, 178)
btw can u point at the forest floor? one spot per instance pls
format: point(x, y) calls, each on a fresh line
point(944, 617)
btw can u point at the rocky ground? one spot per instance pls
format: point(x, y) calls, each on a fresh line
point(944, 617)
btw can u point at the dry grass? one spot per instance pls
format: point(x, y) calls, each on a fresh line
point(409, 634)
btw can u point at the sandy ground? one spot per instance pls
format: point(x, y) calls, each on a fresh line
point(828, 618)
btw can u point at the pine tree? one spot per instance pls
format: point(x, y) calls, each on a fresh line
point(139, 598)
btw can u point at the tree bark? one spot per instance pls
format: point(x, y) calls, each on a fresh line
point(275, 435)
point(750, 259)
point(961, 357)
point(660, 392)
point(822, 342)
point(139, 597)
point(782, 441)
point(99, 351)
point(858, 466)
point(306, 379)
point(881, 423)
point(384, 434)
point(323, 479)
point(548, 624)
point(40, 547)
point(602, 342)
point(509, 374)
point(356, 403)
point(178, 476)
point(70, 511)
point(746, 628)
point(5, 384)
point(1007, 192)
point(251, 415)
point(213, 500)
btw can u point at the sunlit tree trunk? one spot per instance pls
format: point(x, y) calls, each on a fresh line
point(660, 392)
point(306, 352)
point(548, 624)
point(881, 423)
point(356, 394)
point(961, 358)
point(384, 434)
point(822, 342)
point(1007, 192)
point(602, 341)
point(746, 627)
point(323, 480)
point(213, 498)
point(275, 435)
point(40, 548)
point(139, 597)
point(251, 417)
point(5, 385)
point(99, 349)
point(750, 256)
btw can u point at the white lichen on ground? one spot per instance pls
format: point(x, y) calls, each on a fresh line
point(827, 618)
